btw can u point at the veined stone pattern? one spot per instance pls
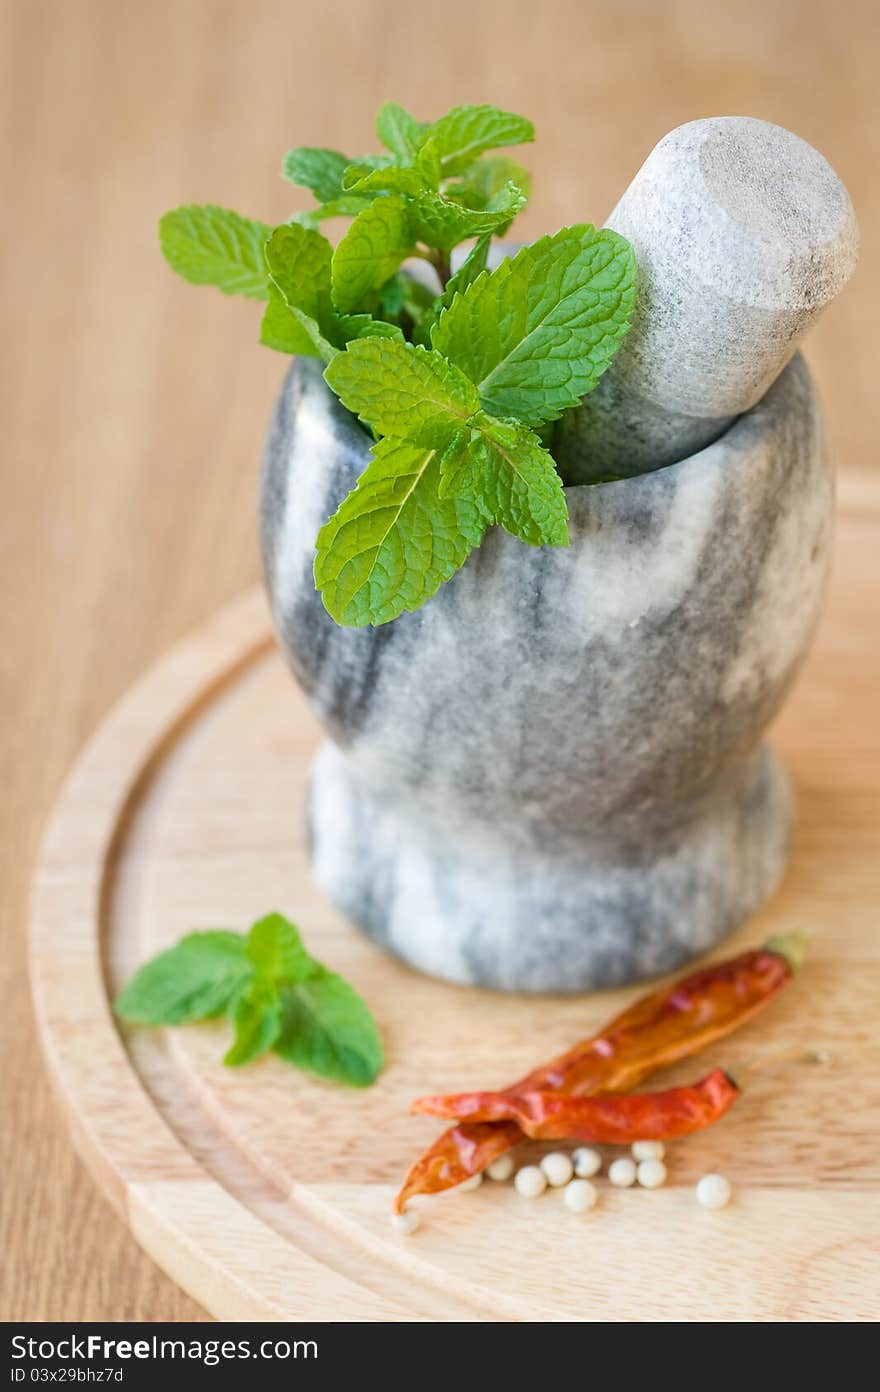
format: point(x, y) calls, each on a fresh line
point(550, 778)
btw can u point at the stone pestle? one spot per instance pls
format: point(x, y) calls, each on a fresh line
point(743, 233)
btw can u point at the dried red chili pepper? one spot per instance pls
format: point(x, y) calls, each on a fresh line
point(609, 1119)
point(659, 1029)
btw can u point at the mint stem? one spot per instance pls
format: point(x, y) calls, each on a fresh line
point(440, 261)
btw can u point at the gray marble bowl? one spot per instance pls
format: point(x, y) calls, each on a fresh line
point(550, 778)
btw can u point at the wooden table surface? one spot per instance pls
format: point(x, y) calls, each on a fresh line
point(132, 406)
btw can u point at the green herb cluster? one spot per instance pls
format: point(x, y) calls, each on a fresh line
point(460, 384)
point(275, 993)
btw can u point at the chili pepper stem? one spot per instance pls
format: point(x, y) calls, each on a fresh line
point(791, 947)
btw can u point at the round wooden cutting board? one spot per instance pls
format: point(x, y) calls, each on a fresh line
point(266, 1194)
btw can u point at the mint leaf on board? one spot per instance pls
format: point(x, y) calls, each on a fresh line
point(277, 995)
point(207, 245)
point(198, 979)
point(327, 1029)
point(537, 333)
point(316, 169)
point(511, 478)
point(278, 953)
point(257, 1019)
point(399, 132)
point(374, 247)
point(442, 223)
point(402, 391)
point(467, 131)
point(280, 961)
point(394, 540)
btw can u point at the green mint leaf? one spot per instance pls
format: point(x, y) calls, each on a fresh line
point(402, 391)
point(375, 245)
point(214, 246)
point(316, 169)
point(486, 179)
point(359, 179)
point(428, 165)
point(347, 205)
point(258, 1023)
point(376, 161)
point(394, 540)
point(197, 979)
point(327, 1029)
point(298, 259)
point(442, 223)
point(467, 131)
point(273, 989)
point(354, 326)
point(472, 266)
point(423, 174)
point(399, 132)
point(283, 330)
point(537, 333)
point(290, 332)
point(511, 478)
point(276, 949)
point(312, 342)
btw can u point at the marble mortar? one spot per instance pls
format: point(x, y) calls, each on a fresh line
point(551, 777)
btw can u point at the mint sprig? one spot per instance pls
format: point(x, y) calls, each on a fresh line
point(459, 384)
point(275, 993)
point(513, 349)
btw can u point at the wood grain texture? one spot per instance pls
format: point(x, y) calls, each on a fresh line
point(266, 1194)
point(132, 406)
